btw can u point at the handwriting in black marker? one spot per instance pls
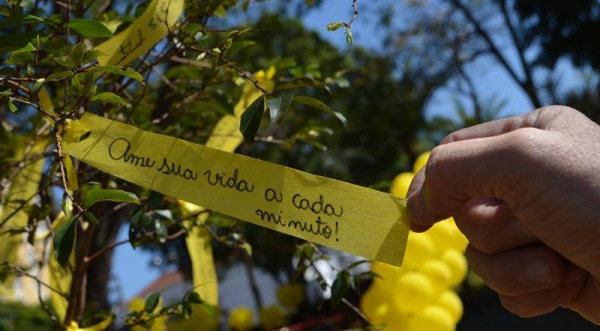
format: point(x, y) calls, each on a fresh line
point(119, 150)
point(324, 231)
point(270, 217)
point(318, 228)
point(228, 182)
point(271, 194)
point(316, 207)
point(170, 168)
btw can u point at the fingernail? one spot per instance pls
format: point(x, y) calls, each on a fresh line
point(416, 204)
point(538, 271)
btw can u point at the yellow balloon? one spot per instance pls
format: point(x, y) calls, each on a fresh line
point(412, 292)
point(450, 301)
point(443, 235)
point(387, 274)
point(420, 247)
point(459, 241)
point(458, 265)
point(395, 320)
point(240, 319)
point(375, 306)
point(401, 183)
point(432, 318)
point(421, 162)
point(439, 273)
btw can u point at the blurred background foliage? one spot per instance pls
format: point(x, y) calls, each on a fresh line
point(384, 90)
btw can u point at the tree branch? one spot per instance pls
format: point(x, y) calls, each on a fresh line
point(528, 83)
point(494, 49)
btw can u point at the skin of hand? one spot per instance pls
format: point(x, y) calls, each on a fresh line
point(526, 192)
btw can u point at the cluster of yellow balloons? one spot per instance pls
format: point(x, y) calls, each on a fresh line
point(289, 297)
point(420, 295)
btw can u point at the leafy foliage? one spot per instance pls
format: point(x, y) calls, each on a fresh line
point(16, 316)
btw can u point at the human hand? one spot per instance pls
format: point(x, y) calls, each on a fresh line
point(526, 193)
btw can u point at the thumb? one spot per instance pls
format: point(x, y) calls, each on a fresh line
point(474, 168)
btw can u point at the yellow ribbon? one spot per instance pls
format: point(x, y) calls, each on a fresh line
point(225, 136)
point(24, 185)
point(340, 215)
point(138, 38)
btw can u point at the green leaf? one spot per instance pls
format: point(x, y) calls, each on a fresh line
point(251, 118)
point(11, 106)
point(76, 83)
point(357, 263)
point(89, 87)
point(237, 46)
point(99, 194)
point(64, 241)
point(303, 82)
point(321, 106)
point(89, 28)
point(246, 247)
point(15, 42)
point(31, 19)
point(60, 75)
point(127, 72)
point(90, 217)
point(91, 55)
point(340, 286)
point(220, 12)
point(20, 58)
point(77, 53)
point(194, 297)
point(278, 107)
point(66, 205)
point(349, 38)
point(65, 61)
point(334, 26)
point(109, 97)
point(151, 302)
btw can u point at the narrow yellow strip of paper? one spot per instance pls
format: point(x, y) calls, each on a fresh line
point(329, 212)
point(138, 38)
point(24, 185)
point(198, 242)
point(227, 137)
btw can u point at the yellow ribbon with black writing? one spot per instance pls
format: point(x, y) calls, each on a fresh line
point(340, 215)
point(226, 137)
point(138, 38)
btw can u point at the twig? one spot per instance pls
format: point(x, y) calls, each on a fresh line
point(62, 170)
point(356, 310)
point(115, 244)
point(20, 272)
point(355, 15)
point(164, 78)
point(242, 72)
point(253, 284)
point(22, 205)
point(34, 105)
point(195, 63)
